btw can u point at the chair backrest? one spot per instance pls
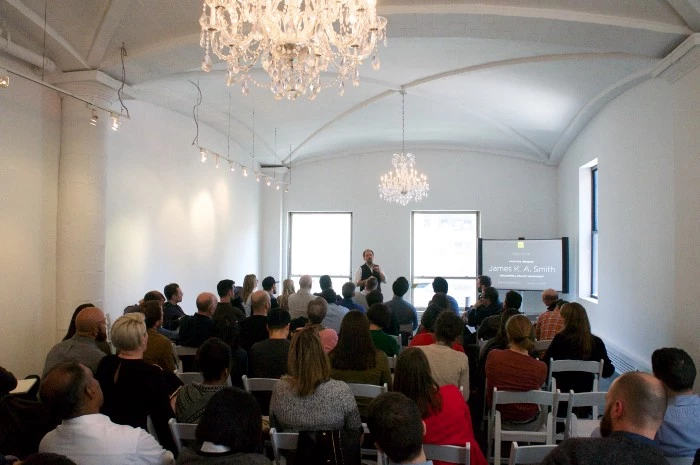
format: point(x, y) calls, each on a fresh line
point(282, 441)
point(544, 398)
point(259, 384)
point(182, 351)
point(582, 399)
point(450, 454)
point(593, 367)
point(190, 377)
point(542, 346)
point(407, 328)
point(392, 362)
point(528, 454)
point(181, 431)
point(398, 340)
point(367, 390)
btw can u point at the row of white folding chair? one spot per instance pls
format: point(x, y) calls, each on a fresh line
point(580, 427)
point(528, 454)
point(547, 402)
point(181, 432)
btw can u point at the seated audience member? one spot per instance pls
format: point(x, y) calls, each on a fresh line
point(405, 312)
point(299, 302)
point(269, 285)
point(287, 290)
point(335, 313)
point(489, 327)
point(634, 409)
point(355, 359)
point(250, 284)
point(316, 312)
point(348, 293)
point(227, 328)
point(380, 319)
point(679, 434)
point(575, 342)
point(499, 342)
point(443, 409)
point(324, 283)
point(172, 312)
point(156, 296)
point(196, 329)
point(102, 345)
point(73, 395)
point(376, 297)
point(426, 335)
point(440, 285)
point(213, 360)
point(133, 389)
point(90, 326)
point(513, 369)
point(488, 305)
point(230, 432)
point(254, 328)
point(225, 308)
point(268, 358)
point(395, 423)
point(23, 422)
point(308, 399)
point(159, 350)
point(370, 285)
point(448, 366)
point(550, 322)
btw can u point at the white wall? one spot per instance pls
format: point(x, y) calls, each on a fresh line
point(515, 197)
point(171, 218)
point(646, 143)
point(29, 149)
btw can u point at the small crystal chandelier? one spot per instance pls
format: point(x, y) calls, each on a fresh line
point(404, 184)
point(295, 41)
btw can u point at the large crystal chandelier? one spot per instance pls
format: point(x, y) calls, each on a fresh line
point(405, 183)
point(294, 40)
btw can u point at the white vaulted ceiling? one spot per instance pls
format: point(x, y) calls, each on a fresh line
point(509, 77)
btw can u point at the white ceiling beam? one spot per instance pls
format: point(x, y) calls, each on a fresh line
point(689, 10)
point(51, 32)
point(108, 26)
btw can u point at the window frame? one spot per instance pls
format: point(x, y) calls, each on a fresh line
point(594, 231)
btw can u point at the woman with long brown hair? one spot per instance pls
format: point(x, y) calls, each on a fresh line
point(444, 411)
point(250, 283)
point(287, 290)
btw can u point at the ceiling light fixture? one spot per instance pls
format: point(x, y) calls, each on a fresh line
point(405, 184)
point(115, 121)
point(294, 40)
point(4, 81)
point(95, 117)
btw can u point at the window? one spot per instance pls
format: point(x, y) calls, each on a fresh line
point(594, 232)
point(444, 244)
point(588, 232)
point(319, 243)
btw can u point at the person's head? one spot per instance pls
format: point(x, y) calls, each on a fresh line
point(250, 282)
point(490, 294)
point(379, 315)
point(260, 302)
point(520, 333)
point(561, 303)
point(675, 368)
point(482, 282)
point(440, 299)
point(329, 295)
point(278, 320)
point(91, 322)
point(152, 312)
point(47, 458)
point(354, 350)
point(317, 310)
point(429, 316)
point(507, 313)
point(214, 360)
point(549, 297)
point(400, 286)
point(577, 327)
point(129, 332)
point(306, 282)
point(368, 257)
point(636, 403)
point(440, 285)
point(69, 390)
point(396, 426)
point(448, 327)
point(412, 378)
point(374, 297)
point(513, 300)
point(325, 282)
point(225, 289)
point(154, 296)
point(288, 287)
point(269, 284)
point(206, 303)
point(173, 293)
point(232, 418)
point(371, 284)
point(348, 290)
point(307, 363)
point(71, 325)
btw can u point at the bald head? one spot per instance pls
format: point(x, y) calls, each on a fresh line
point(90, 322)
point(549, 297)
point(206, 303)
point(305, 282)
point(69, 390)
point(636, 402)
point(260, 302)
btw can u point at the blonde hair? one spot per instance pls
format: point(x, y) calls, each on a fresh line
point(250, 282)
point(287, 290)
point(128, 331)
point(308, 364)
point(520, 333)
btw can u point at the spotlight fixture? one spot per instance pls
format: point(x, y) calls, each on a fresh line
point(268, 182)
point(245, 172)
point(257, 177)
point(278, 187)
point(115, 121)
point(203, 154)
point(95, 117)
point(4, 81)
point(217, 162)
point(231, 166)
point(286, 189)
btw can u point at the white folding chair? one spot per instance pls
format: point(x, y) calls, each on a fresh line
point(182, 351)
point(583, 428)
point(521, 455)
point(282, 441)
point(544, 424)
point(450, 454)
point(398, 340)
point(680, 460)
point(542, 346)
point(181, 431)
point(392, 362)
point(367, 390)
point(190, 377)
point(259, 384)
